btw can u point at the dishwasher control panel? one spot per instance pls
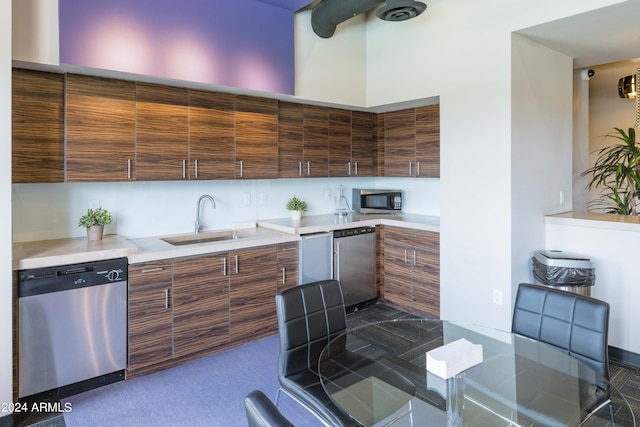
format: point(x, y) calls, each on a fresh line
point(353, 231)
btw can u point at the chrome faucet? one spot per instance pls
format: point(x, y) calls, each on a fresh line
point(213, 205)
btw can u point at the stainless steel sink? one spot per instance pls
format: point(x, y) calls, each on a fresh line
point(206, 237)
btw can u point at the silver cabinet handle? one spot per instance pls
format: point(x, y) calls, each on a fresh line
point(283, 275)
point(417, 168)
point(349, 168)
point(411, 235)
point(308, 168)
point(151, 270)
point(337, 262)
point(166, 298)
point(405, 256)
point(300, 168)
point(237, 270)
point(356, 168)
point(409, 168)
point(195, 167)
point(224, 266)
point(241, 171)
point(184, 168)
point(288, 249)
point(414, 257)
point(128, 168)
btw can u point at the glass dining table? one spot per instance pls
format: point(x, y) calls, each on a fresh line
point(377, 374)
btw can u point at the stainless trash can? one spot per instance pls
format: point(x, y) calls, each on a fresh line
point(564, 270)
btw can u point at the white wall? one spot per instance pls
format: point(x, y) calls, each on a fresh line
point(607, 110)
point(614, 254)
point(142, 209)
point(541, 148)
point(6, 348)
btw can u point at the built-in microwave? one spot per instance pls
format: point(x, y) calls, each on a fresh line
point(377, 201)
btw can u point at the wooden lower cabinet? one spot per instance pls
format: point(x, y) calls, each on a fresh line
point(412, 270)
point(287, 267)
point(150, 314)
point(252, 293)
point(200, 303)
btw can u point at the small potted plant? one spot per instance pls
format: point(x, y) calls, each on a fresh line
point(94, 221)
point(296, 206)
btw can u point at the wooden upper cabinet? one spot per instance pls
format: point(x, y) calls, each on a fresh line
point(340, 163)
point(399, 143)
point(315, 163)
point(256, 137)
point(211, 135)
point(37, 130)
point(100, 120)
point(162, 132)
point(428, 141)
point(290, 140)
point(362, 143)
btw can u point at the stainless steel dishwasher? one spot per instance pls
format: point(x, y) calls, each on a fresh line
point(72, 327)
point(354, 261)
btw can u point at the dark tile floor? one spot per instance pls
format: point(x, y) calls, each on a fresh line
point(624, 377)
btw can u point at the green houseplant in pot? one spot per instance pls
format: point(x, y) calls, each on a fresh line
point(617, 172)
point(94, 221)
point(296, 206)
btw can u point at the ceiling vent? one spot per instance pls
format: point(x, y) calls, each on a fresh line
point(326, 16)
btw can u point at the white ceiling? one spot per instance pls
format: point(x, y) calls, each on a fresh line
point(601, 36)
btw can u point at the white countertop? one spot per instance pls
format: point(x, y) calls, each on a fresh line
point(595, 220)
point(153, 248)
point(47, 253)
point(320, 223)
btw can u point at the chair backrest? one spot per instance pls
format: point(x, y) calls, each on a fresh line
point(575, 323)
point(309, 316)
point(261, 412)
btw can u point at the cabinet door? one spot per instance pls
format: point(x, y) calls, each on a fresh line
point(150, 326)
point(256, 137)
point(287, 271)
point(397, 275)
point(162, 132)
point(316, 141)
point(340, 163)
point(428, 141)
point(399, 143)
point(37, 127)
point(200, 303)
point(212, 150)
point(252, 293)
point(290, 144)
point(362, 143)
point(426, 283)
point(100, 120)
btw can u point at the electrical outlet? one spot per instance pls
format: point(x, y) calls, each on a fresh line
point(94, 204)
point(497, 296)
point(327, 194)
point(263, 198)
point(561, 197)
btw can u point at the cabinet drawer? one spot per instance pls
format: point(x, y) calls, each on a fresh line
point(419, 239)
point(288, 252)
point(150, 273)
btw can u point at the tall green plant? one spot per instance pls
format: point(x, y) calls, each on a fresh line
point(617, 172)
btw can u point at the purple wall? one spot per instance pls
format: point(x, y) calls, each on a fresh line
point(240, 43)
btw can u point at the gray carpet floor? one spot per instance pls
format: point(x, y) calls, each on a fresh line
point(209, 391)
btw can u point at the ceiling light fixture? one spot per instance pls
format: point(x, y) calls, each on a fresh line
point(627, 87)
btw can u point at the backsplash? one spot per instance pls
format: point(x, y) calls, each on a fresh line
point(141, 209)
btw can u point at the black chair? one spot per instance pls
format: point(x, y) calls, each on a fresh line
point(573, 323)
point(309, 316)
point(261, 412)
